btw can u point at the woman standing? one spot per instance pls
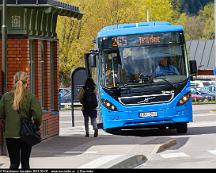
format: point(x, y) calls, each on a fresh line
point(14, 104)
point(88, 100)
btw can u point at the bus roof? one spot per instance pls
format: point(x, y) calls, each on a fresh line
point(138, 28)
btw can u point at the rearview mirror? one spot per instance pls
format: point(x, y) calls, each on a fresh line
point(117, 60)
point(193, 67)
point(92, 60)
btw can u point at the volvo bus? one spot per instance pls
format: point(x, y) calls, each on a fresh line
point(130, 92)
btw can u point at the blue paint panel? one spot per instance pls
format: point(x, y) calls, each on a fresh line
point(128, 116)
point(215, 71)
point(139, 28)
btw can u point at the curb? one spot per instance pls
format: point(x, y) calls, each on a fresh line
point(164, 146)
point(133, 161)
point(136, 160)
point(130, 162)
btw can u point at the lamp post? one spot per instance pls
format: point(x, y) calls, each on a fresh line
point(4, 47)
point(4, 63)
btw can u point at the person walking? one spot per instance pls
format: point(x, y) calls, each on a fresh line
point(14, 104)
point(88, 99)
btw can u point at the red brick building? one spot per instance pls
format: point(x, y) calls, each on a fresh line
point(32, 46)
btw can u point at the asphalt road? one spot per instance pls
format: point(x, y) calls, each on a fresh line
point(196, 149)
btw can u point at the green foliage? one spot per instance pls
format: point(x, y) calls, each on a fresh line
point(190, 7)
point(199, 26)
point(207, 17)
point(75, 37)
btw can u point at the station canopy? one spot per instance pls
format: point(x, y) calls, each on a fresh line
point(61, 8)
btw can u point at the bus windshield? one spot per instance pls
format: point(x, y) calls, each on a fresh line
point(143, 64)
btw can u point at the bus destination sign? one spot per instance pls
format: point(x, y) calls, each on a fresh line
point(132, 41)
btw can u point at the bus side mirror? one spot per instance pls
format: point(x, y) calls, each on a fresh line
point(193, 67)
point(92, 60)
point(117, 60)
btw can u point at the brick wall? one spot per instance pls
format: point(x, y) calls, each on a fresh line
point(205, 72)
point(56, 80)
point(37, 69)
point(50, 125)
point(18, 59)
point(47, 76)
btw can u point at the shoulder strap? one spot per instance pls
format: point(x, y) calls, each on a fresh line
point(4, 106)
point(20, 115)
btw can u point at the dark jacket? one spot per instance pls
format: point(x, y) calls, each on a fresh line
point(30, 108)
point(81, 95)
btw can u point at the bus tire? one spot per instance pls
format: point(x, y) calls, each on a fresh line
point(113, 131)
point(181, 128)
point(161, 127)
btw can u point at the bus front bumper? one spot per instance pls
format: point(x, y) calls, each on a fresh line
point(131, 119)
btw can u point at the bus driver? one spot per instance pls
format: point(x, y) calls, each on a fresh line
point(165, 68)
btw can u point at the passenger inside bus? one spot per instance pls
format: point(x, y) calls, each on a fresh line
point(109, 78)
point(165, 68)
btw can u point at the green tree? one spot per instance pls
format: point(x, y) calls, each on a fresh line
point(70, 51)
point(199, 26)
point(75, 38)
point(160, 10)
point(207, 17)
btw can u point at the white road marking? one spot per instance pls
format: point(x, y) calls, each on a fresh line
point(100, 161)
point(81, 152)
point(204, 114)
point(172, 155)
point(212, 151)
point(202, 124)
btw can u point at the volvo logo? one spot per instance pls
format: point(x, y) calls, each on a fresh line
point(146, 100)
point(167, 92)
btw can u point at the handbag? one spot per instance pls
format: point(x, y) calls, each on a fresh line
point(2, 124)
point(28, 132)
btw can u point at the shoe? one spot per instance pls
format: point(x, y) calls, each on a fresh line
point(96, 133)
point(87, 135)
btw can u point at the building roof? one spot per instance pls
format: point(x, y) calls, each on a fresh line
point(203, 51)
point(63, 9)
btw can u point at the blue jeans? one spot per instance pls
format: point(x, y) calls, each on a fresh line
point(92, 114)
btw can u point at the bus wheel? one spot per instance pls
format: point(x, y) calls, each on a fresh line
point(181, 128)
point(113, 131)
point(162, 127)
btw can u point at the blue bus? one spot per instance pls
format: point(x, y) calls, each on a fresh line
point(132, 91)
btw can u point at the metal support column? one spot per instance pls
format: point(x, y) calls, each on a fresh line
point(4, 47)
point(4, 60)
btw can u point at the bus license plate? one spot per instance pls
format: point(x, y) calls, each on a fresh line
point(148, 114)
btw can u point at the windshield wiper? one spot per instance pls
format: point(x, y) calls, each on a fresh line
point(171, 84)
point(185, 80)
point(134, 85)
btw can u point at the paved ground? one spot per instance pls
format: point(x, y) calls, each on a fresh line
point(72, 150)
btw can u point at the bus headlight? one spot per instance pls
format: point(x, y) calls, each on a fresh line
point(108, 105)
point(184, 99)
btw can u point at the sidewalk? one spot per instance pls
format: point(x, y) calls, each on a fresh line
point(72, 150)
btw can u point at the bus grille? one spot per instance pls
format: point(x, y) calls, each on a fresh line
point(146, 99)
